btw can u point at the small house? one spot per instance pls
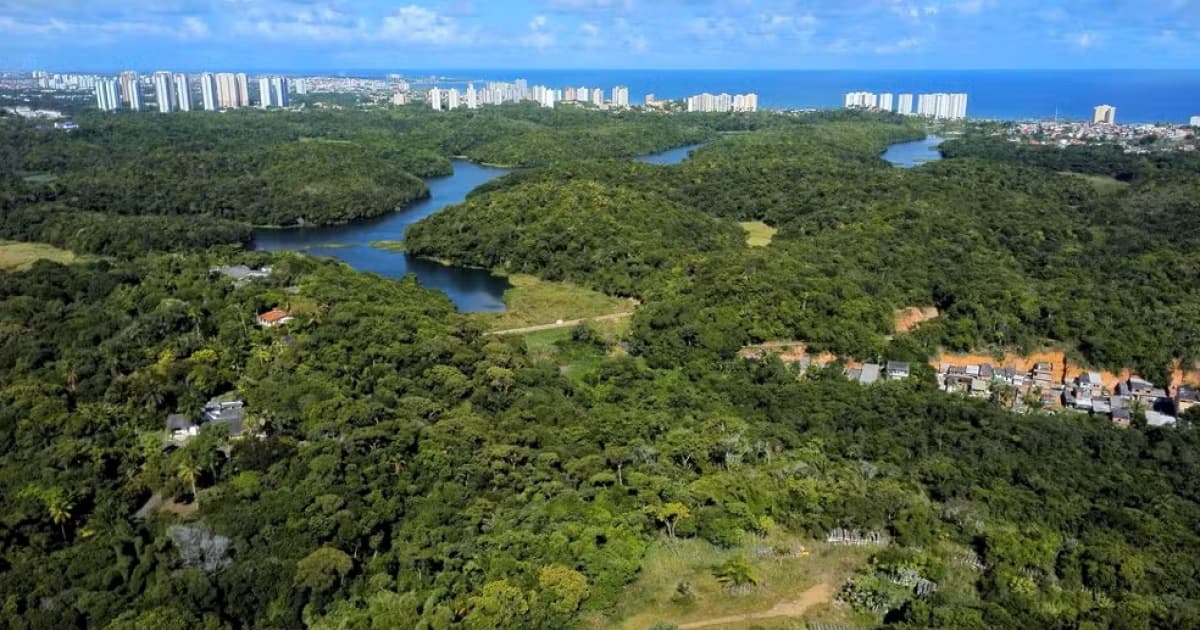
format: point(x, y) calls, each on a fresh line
point(241, 274)
point(870, 373)
point(1090, 381)
point(1186, 398)
point(1139, 387)
point(274, 317)
point(229, 413)
point(180, 428)
point(1122, 417)
point(898, 370)
point(1159, 419)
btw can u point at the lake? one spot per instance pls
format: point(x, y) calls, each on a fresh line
point(915, 153)
point(471, 290)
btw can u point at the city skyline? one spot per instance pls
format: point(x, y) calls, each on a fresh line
point(314, 35)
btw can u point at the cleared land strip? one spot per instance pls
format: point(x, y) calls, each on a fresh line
point(561, 324)
point(814, 596)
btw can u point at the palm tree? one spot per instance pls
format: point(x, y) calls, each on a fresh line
point(59, 506)
point(736, 572)
point(188, 471)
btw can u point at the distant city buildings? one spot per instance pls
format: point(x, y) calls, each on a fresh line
point(1104, 115)
point(227, 91)
point(620, 96)
point(722, 103)
point(939, 105)
point(435, 99)
point(273, 92)
point(1194, 121)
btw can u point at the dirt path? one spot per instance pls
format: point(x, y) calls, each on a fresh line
point(814, 596)
point(561, 324)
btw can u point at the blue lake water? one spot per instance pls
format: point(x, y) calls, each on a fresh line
point(469, 289)
point(915, 153)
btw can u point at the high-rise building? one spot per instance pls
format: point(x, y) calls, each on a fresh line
point(301, 86)
point(243, 90)
point(264, 92)
point(108, 95)
point(435, 99)
point(620, 96)
point(183, 93)
point(958, 106)
point(547, 99)
point(885, 101)
point(228, 96)
point(1104, 115)
point(472, 97)
point(164, 91)
point(280, 95)
point(905, 105)
point(208, 92)
point(452, 98)
point(130, 91)
point(522, 90)
point(597, 97)
point(1194, 121)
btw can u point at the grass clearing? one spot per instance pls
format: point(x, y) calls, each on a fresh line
point(15, 256)
point(1102, 183)
point(796, 587)
point(396, 247)
point(532, 301)
point(758, 234)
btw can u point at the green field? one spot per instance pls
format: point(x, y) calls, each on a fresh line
point(792, 587)
point(533, 302)
point(20, 256)
point(1102, 183)
point(758, 234)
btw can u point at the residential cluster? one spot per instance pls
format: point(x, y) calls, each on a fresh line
point(1134, 138)
point(939, 105)
point(177, 91)
point(722, 103)
point(500, 92)
point(1048, 388)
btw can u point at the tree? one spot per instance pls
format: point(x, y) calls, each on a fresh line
point(499, 605)
point(59, 506)
point(322, 568)
point(188, 471)
point(567, 588)
point(669, 514)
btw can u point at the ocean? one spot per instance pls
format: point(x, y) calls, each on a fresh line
point(1138, 95)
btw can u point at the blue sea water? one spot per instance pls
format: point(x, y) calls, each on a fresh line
point(1138, 95)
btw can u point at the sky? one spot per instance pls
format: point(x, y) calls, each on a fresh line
point(106, 35)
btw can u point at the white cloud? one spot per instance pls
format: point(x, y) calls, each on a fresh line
point(416, 24)
point(538, 37)
point(1086, 39)
point(904, 45)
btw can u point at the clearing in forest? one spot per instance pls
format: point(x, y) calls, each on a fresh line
point(677, 584)
point(16, 256)
point(758, 234)
point(539, 304)
point(913, 316)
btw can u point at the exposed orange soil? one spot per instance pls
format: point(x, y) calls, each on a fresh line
point(1063, 369)
point(913, 316)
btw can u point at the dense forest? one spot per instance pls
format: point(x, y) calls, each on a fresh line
point(403, 470)
point(400, 468)
point(1011, 251)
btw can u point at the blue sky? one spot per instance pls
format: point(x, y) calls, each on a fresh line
point(758, 34)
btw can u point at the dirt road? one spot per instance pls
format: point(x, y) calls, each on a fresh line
point(560, 324)
point(815, 596)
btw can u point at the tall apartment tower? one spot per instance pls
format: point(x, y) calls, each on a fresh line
point(885, 101)
point(904, 106)
point(208, 92)
point(280, 96)
point(243, 90)
point(227, 91)
point(108, 95)
point(183, 93)
point(264, 92)
point(164, 91)
point(435, 99)
point(620, 96)
point(1104, 115)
